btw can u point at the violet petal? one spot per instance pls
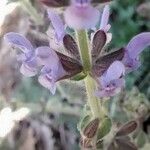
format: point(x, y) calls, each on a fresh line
point(115, 71)
point(45, 55)
point(81, 17)
point(27, 70)
point(105, 19)
point(19, 41)
point(138, 44)
point(57, 25)
point(47, 83)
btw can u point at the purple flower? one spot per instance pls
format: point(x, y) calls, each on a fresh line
point(28, 59)
point(57, 24)
point(111, 81)
point(52, 70)
point(133, 50)
point(104, 23)
point(81, 15)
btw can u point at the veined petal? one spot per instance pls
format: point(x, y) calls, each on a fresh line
point(105, 19)
point(111, 89)
point(57, 25)
point(115, 71)
point(105, 93)
point(111, 81)
point(49, 76)
point(27, 70)
point(131, 64)
point(47, 56)
point(19, 41)
point(138, 44)
point(81, 16)
point(119, 83)
point(47, 82)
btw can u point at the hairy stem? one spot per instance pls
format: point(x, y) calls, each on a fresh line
point(90, 83)
point(82, 39)
point(93, 102)
point(32, 11)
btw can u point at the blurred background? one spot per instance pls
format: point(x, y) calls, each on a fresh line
point(30, 117)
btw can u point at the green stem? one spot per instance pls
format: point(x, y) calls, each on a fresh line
point(90, 83)
point(32, 11)
point(93, 102)
point(82, 39)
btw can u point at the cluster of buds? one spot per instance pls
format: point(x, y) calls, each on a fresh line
point(117, 139)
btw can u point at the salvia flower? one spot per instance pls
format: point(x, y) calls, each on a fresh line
point(55, 65)
point(108, 68)
point(133, 50)
point(111, 81)
point(104, 23)
point(27, 57)
point(52, 69)
point(57, 24)
point(81, 15)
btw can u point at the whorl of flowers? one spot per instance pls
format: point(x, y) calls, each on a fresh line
point(108, 69)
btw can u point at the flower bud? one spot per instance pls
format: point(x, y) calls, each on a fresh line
point(91, 129)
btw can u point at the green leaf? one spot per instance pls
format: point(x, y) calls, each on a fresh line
point(79, 76)
point(105, 127)
point(141, 139)
point(83, 122)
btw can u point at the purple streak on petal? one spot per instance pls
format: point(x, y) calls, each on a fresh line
point(49, 76)
point(52, 69)
point(46, 55)
point(57, 25)
point(105, 18)
point(131, 64)
point(19, 41)
point(111, 89)
point(47, 83)
point(47, 79)
point(107, 93)
point(50, 60)
point(21, 57)
point(111, 81)
point(115, 71)
point(133, 49)
point(138, 44)
point(27, 71)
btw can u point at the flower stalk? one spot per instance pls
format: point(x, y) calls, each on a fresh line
point(90, 84)
point(93, 102)
point(84, 51)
